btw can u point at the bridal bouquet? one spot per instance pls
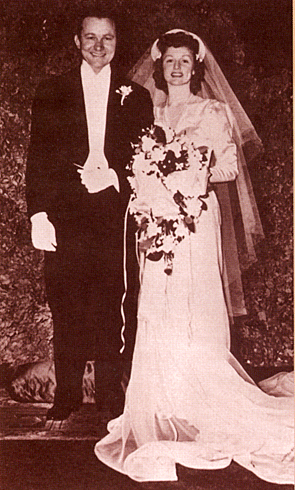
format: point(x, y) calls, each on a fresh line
point(168, 178)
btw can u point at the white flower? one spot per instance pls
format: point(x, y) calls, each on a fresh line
point(148, 143)
point(180, 229)
point(175, 146)
point(139, 163)
point(193, 207)
point(158, 154)
point(132, 182)
point(139, 207)
point(153, 229)
point(124, 91)
point(181, 181)
point(168, 244)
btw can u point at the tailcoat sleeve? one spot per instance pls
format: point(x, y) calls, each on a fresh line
point(38, 180)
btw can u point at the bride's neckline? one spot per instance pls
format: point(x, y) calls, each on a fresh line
point(179, 101)
point(181, 112)
point(174, 112)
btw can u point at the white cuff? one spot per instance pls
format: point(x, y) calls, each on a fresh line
point(114, 179)
point(37, 216)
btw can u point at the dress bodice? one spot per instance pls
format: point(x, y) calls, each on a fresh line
point(208, 123)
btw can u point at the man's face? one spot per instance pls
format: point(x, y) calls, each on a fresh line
point(97, 42)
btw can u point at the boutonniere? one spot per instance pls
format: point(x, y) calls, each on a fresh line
point(124, 91)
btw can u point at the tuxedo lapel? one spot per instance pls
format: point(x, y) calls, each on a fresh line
point(76, 116)
point(113, 117)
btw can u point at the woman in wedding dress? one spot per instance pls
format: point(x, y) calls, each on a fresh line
point(188, 400)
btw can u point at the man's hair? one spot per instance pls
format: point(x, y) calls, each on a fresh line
point(98, 11)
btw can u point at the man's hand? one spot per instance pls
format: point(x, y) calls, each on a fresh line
point(43, 233)
point(98, 179)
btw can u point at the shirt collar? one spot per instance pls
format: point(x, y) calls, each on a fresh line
point(88, 74)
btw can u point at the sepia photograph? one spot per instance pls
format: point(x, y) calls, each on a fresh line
point(146, 267)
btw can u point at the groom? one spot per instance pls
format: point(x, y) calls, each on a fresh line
point(82, 125)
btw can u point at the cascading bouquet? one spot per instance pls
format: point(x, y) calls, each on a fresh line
point(168, 179)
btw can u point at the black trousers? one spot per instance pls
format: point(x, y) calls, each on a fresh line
point(84, 284)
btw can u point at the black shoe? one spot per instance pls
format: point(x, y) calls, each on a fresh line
point(62, 412)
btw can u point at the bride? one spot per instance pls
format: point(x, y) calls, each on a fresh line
point(188, 400)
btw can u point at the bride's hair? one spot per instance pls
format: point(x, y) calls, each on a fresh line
point(178, 40)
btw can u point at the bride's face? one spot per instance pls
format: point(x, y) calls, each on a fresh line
point(178, 64)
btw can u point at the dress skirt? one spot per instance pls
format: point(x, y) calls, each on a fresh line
point(188, 400)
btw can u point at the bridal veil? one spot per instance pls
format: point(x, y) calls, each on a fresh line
point(241, 225)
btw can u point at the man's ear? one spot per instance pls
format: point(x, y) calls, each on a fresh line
point(77, 41)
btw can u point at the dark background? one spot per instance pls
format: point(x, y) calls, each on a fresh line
point(252, 41)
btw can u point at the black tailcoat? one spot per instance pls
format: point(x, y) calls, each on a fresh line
point(84, 275)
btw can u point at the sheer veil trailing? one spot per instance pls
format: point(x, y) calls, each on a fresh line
point(241, 225)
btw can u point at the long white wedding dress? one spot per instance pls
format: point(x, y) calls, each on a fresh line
point(188, 400)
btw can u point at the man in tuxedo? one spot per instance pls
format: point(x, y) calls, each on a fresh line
point(83, 123)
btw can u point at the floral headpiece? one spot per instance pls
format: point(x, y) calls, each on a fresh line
point(156, 53)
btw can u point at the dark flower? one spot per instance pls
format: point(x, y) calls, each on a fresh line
point(159, 135)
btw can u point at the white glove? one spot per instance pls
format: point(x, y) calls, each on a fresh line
point(43, 233)
point(98, 179)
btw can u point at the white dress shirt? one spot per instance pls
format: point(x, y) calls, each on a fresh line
point(96, 174)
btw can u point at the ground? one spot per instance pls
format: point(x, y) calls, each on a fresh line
point(72, 465)
point(40, 455)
